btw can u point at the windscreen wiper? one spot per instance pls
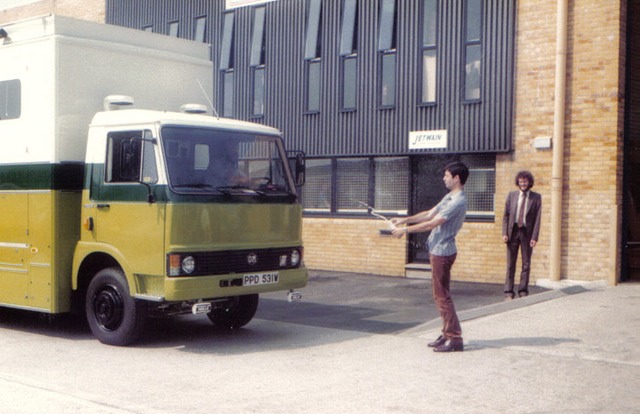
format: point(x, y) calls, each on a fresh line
point(238, 190)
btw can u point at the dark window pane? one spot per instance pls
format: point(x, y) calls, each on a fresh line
point(429, 23)
point(229, 96)
point(226, 49)
point(386, 40)
point(474, 19)
point(258, 92)
point(472, 69)
point(349, 83)
point(313, 88)
point(200, 29)
point(348, 34)
point(257, 38)
point(312, 44)
point(388, 85)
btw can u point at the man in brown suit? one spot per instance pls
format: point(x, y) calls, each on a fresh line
point(520, 230)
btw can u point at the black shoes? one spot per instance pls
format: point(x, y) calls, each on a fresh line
point(450, 346)
point(442, 345)
point(438, 342)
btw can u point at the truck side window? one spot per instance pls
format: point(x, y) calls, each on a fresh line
point(10, 99)
point(130, 158)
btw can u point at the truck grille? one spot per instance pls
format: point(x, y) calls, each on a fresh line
point(240, 261)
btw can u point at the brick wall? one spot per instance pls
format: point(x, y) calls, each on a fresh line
point(93, 10)
point(352, 246)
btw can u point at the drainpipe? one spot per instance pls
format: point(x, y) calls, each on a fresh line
point(557, 175)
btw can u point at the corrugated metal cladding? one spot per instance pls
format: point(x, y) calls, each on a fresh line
point(482, 126)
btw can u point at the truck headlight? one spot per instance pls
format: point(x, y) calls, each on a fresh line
point(181, 265)
point(188, 264)
point(295, 258)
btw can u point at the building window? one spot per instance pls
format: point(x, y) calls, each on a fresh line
point(257, 61)
point(10, 99)
point(348, 186)
point(387, 54)
point(392, 177)
point(481, 185)
point(349, 55)
point(352, 186)
point(349, 83)
point(313, 86)
point(200, 30)
point(317, 188)
point(429, 55)
point(228, 95)
point(473, 51)
point(173, 28)
point(349, 30)
point(313, 56)
point(227, 65)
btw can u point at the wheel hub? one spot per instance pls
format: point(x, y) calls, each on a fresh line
point(108, 308)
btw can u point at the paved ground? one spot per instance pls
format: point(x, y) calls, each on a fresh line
point(356, 344)
point(374, 304)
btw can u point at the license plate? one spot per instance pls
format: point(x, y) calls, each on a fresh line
point(260, 279)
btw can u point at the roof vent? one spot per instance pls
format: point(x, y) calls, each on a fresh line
point(193, 109)
point(115, 102)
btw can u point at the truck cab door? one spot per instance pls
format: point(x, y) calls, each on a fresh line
point(127, 217)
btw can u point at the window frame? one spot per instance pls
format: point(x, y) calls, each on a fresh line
point(470, 43)
point(257, 62)
point(428, 45)
point(313, 58)
point(387, 52)
point(173, 28)
point(348, 54)
point(226, 65)
point(200, 28)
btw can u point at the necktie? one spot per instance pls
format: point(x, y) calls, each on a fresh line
point(523, 204)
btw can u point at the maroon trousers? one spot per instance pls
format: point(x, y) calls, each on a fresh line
point(440, 281)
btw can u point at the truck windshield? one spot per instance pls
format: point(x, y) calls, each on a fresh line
point(205, 160)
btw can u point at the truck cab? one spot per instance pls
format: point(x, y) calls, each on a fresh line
point(184, 212)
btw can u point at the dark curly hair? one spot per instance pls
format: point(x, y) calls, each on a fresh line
point(523, 175)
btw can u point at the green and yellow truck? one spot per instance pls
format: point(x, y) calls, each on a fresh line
point(127, 213)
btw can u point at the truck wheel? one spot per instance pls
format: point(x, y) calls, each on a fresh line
point(236, 315)
point(115, 318)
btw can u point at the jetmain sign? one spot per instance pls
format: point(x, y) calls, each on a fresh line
point(428, 139)
point(234, 4)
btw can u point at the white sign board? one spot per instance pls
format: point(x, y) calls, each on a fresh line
point(234, 4)
point(428, 139)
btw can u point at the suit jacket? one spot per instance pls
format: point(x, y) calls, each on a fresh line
point(534, 203)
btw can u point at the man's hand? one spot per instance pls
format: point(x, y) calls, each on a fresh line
point(398, 232)
point(505, 238)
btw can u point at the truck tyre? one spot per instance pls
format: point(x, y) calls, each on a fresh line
point(115, 318)
point(237, 314)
